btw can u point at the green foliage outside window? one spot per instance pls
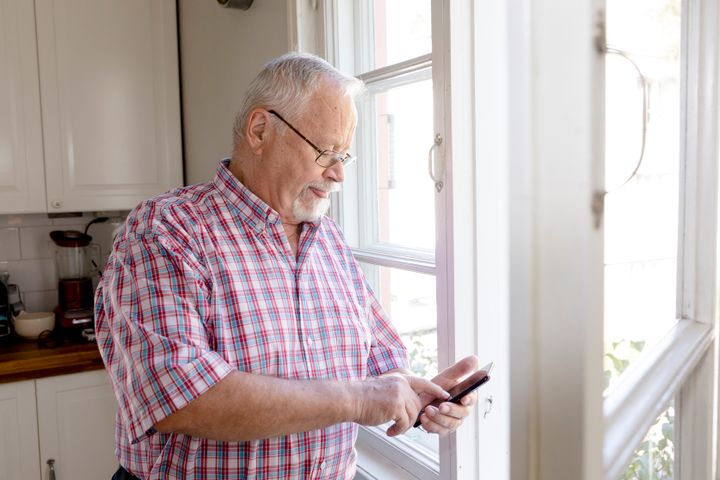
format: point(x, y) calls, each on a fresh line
point(653, 459)
point(422, 352)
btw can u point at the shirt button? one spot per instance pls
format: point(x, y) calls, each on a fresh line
point(323, 465)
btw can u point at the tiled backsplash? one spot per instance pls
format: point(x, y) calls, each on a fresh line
point(26, 251)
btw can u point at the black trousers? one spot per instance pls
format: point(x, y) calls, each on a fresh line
point(123, 474)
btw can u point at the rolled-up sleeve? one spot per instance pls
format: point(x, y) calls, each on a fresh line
point(387, 350)
point(151, 327)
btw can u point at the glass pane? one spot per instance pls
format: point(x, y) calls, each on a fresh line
point(402, 30)
point(655, 457)
point(402, 118)
point(641, 214)
point(409, 300)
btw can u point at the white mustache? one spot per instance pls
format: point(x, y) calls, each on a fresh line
point(329, 187)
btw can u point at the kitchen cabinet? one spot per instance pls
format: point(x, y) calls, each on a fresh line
point(67, 418)
point(106, 82)
point(76, 424)
point(22, 176)
point(18, 432)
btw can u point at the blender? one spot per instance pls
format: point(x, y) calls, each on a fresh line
point(74, 261)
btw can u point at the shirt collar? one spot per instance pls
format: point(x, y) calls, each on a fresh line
point(253, 210)
point(256, 212)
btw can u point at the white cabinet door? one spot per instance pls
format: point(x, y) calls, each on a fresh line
point(18, 432)
point(110, 101)
point(76, 419)
point(22, 179)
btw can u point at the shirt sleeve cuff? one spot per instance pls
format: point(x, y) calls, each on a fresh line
point(174, 388)
point(388, 359)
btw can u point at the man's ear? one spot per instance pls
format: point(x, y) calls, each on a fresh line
point(256, 130)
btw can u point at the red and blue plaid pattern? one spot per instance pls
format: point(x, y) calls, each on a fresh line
point(201, 282)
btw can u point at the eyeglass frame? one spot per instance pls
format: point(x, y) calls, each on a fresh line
point(338, 157)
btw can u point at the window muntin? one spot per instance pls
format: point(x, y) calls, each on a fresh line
point(641, 215)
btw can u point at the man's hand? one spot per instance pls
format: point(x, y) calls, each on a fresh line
point(448, 416)
point(394, 397)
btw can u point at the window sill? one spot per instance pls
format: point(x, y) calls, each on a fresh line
point(381, 458)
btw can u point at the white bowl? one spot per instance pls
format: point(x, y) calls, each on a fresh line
point(30, 325)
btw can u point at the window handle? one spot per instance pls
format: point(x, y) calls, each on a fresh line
point(431, 163)
point(645, 104)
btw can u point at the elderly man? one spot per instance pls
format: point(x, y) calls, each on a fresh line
point(241, 337)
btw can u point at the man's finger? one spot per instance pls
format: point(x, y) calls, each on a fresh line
point(421, 385)
point(400, 426)
point(453, 410)
point(450, 376)
point(444, 419)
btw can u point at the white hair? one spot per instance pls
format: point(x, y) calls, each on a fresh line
point(287, 82)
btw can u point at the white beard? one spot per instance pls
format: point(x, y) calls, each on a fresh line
point(318, 206)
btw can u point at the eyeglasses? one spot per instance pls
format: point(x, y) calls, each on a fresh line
point(325, 158)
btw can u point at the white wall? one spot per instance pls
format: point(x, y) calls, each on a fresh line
point(221, 51)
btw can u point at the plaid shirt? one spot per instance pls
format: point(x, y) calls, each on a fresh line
point(202, 281)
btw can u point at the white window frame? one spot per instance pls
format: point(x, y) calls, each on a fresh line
point(455, 256)
point(376, 450)
point(472, 117)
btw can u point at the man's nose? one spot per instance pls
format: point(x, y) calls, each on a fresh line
point(335, 172)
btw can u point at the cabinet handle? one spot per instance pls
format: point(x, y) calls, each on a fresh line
point(51, 468)
point(56, 204)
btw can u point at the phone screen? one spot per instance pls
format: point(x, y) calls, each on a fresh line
point(463, 388)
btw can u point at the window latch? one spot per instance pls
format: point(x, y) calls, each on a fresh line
point(431, 163)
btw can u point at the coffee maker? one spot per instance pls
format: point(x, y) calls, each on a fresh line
point(5, 310)
point(11, 305)
point(74, 262)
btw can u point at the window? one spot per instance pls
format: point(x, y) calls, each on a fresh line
point(393, 212)
point(409, 207)
point(656, 234)
point(660, 260)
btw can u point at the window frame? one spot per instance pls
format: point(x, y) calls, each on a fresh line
point(371, 442)
point(455, 257)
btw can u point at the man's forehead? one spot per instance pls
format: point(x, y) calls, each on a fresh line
point(335, 108)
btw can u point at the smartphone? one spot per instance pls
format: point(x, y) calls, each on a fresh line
point(469, 385)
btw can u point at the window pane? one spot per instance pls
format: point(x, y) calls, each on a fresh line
point(409, 300)
point(402, 121)
point(641, 216)
point(655, 457)
point(402, 30)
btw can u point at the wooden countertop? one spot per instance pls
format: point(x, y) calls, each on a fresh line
point(26, 360)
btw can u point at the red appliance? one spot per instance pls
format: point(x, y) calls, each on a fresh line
point(73, 259)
